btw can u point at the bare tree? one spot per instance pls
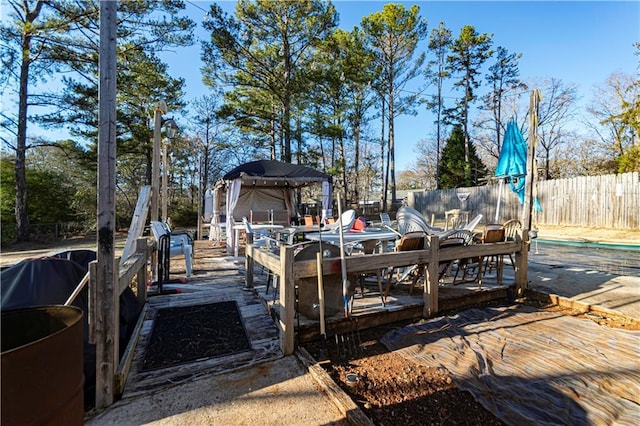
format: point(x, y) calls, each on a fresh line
point(609, 123)
point(423, 173)
point(556, 110)
point(504, 81)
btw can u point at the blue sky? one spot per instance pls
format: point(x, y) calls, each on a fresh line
point(577, 42)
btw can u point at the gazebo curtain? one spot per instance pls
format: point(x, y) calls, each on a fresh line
point(233, 193)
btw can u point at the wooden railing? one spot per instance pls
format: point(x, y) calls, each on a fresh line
point(103, 335)
point(289, 271)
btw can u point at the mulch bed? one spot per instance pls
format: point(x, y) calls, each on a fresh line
point(190, 333)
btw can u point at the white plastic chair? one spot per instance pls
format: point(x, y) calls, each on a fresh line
point(260, 239)
point(179, 244)
point(346, 221)
point(474, 222)
point(412, 220)
point(385, 219)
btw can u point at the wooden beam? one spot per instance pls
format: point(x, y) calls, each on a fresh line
point(287, 300)
point(161, 108)
point(137, 223)
point(310, 331)
point(248, 261)
point(343, 402)
point(522, 264)
point(374, 262)
point(127, 358)
point(142, 246)
point(431, 282)
point(106, 297)
point(130, 269)
point(532, 142)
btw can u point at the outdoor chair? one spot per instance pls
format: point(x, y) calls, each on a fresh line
point(345, 221)
point(412, 220)
point(512, 232)
point(493, 233)
point(385, 220)
point(454, 219)
point(459, 238)
point(410, 241)
point(262, 240)
point(473, 223)
point(259, 217)
point(170, 245)
point(419, 240)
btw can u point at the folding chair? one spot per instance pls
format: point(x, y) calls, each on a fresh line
point(171, 245)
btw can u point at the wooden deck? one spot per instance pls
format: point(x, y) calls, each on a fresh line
point(215, 278)
point(218, 277)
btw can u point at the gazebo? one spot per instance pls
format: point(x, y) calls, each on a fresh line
point(264, 186)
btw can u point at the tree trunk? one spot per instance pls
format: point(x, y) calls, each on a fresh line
point(22, 217)
point(392, 154)
point(286, 155)
point(272, 130)
point(385, 180)
point(356, 162)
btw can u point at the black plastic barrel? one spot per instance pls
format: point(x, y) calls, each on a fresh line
point(42, 380)
point(308, 287)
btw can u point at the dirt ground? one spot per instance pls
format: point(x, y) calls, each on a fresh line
point(391, 389)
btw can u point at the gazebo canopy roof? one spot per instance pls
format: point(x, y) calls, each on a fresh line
point(275, 173)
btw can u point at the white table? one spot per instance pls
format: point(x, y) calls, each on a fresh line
point(369, 237)
point(255, 227)
point(289, 232)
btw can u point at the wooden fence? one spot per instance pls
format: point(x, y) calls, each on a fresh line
point(607, 201)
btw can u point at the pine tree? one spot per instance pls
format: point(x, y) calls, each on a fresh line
point(452, 163)
point(393, 35)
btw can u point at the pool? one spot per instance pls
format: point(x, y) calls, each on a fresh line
point(591, 244)
point(619, 259)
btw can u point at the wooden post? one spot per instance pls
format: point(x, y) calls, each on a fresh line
point(93, 300)
point(161, 108)
point(287, 300)
point(531, 158)
point(248, 261)
point(430, 295)
point(106, 274)
point(142, 246)
point(321, 292)
point(165, 183)
point(521, 264)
